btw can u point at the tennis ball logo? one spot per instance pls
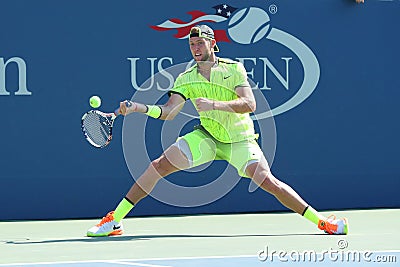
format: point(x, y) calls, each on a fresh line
point(249, 25)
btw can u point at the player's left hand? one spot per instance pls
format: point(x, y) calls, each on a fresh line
point(204, 104)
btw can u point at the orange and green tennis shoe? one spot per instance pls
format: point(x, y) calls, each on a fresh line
point(334, 226)
point(106, 227)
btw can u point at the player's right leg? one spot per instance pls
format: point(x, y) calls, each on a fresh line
point(191, 150)
point(170, 161)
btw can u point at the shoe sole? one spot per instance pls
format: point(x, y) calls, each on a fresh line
point(113, 233)
point(116, 232)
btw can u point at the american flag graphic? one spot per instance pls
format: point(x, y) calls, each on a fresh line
point(222, 13)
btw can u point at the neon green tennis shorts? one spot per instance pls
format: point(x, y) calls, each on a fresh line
point(204, 148)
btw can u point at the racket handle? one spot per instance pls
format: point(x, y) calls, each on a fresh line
point(128, 104)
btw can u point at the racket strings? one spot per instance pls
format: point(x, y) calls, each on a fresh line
point(97, 129)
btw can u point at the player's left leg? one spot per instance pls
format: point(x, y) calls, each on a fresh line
point(261, 174)
point(248, 158)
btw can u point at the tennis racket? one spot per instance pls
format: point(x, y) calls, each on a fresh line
point(97, 126)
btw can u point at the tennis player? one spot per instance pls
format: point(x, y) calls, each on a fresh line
point(219, 89)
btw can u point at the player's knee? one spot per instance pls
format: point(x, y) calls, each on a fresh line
point(163, 166)
point(267, 181)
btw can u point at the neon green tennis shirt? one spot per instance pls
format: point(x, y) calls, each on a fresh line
point(226, 75)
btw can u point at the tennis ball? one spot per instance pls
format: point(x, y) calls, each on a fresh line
point(249, 25)
point(95, 101)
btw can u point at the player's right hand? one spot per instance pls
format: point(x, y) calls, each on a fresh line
point(126, 107)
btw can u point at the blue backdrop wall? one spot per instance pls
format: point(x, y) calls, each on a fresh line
point(328, 69)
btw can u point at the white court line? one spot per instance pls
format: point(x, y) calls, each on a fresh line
point(52, 262)
point(159, 259)
point(226, 257)
point(127, 260)
point(137, 264)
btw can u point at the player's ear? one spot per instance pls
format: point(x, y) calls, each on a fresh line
point(213, 43)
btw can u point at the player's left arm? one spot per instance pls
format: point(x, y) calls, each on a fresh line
point(245, 103)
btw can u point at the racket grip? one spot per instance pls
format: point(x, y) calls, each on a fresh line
point(128, 104)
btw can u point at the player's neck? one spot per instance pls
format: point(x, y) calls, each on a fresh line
point(205, 66)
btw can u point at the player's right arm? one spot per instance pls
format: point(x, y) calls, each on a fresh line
point(168, 111)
